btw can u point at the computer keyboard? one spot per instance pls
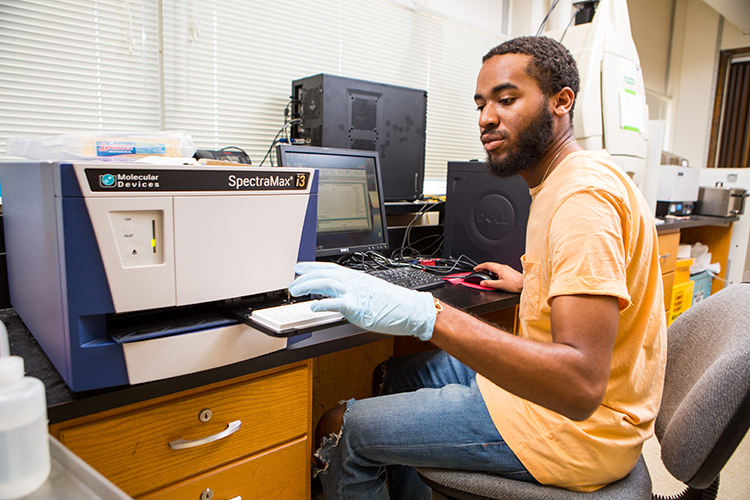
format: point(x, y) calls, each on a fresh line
point(409, 277)
point(296, 316)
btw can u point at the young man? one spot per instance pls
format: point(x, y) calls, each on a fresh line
point(570, 401)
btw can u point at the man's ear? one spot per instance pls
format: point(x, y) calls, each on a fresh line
point(562, 102)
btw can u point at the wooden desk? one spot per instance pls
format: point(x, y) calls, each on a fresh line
point(715, 232)
point(124, 432)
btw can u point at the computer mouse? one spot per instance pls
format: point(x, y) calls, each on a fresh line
point(478, 276)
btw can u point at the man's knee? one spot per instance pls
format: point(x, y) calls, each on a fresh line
point(330, 423)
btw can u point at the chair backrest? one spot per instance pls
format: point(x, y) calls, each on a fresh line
point(705, 409)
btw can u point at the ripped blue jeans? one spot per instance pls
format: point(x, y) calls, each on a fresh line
point(430, 414)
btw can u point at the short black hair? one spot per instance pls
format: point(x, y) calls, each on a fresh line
point(552, 65)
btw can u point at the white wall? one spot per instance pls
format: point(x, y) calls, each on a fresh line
point(650, 24)
point(679, 52)
point(485, 15)
point(734, 38)
point(736, 11)
point(692, 83)
point(526, 16)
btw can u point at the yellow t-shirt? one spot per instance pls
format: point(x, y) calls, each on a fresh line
point(590, 231)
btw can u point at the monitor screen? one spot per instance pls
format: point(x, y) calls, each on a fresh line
point(351, 213)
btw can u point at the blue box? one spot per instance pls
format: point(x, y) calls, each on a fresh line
point(702, 287)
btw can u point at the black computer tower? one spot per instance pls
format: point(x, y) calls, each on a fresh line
point(339, 112)
point(485, 217)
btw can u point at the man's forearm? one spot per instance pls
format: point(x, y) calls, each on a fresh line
point(552, 375)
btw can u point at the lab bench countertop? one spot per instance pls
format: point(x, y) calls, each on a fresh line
point(64, 404)
point(669, 224)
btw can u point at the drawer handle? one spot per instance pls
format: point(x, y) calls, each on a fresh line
point(181, 444)
point(665, 256)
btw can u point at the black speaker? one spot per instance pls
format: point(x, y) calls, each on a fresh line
point(485, 217)
point(337, 112)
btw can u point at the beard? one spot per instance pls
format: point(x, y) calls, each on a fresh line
point(529, 149)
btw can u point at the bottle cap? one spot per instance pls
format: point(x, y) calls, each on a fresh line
point(11, 370)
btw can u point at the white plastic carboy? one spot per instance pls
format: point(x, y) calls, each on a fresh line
point(24, 443)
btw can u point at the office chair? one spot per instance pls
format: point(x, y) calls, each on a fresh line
point(705, 413)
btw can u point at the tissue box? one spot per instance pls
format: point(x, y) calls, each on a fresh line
point(702, 287)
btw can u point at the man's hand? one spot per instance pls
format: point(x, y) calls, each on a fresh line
point(366, 301)
point(508, 279)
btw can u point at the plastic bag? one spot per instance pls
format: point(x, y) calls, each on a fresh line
point(702, 257)
point(120, 146)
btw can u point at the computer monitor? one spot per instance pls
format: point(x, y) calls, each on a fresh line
point(351, 212)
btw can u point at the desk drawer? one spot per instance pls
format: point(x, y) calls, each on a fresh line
point(133, 450)
point(668, 281)
point(281, 473)
point(668, 246)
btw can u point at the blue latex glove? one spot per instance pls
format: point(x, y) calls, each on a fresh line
point(366, 301)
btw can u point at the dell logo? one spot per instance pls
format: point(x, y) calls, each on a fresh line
point(489, 217)
point(494, 217)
